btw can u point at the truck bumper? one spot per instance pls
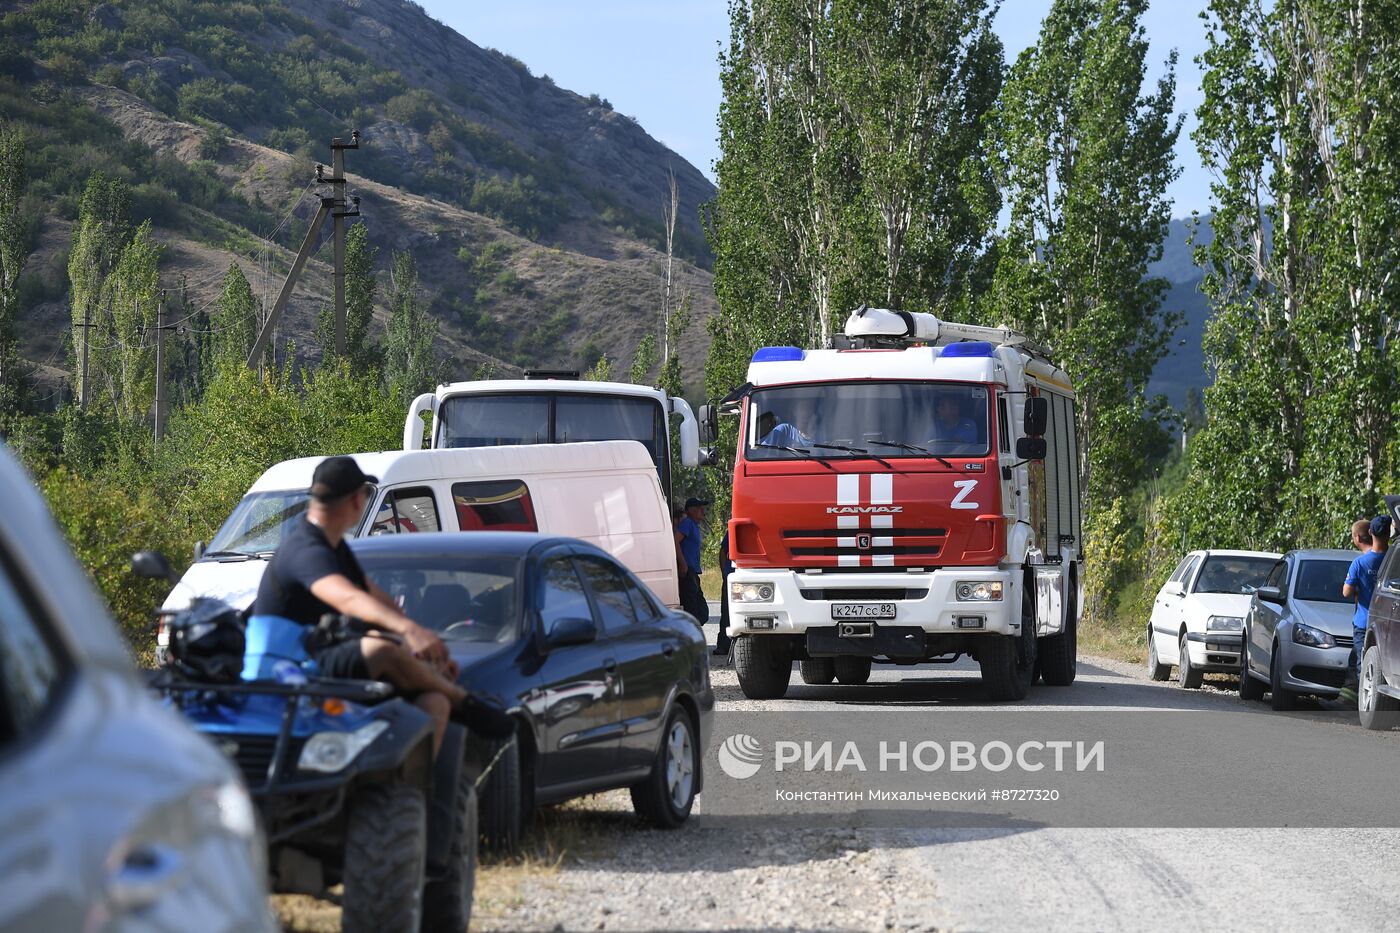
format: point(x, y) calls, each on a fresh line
point(924, 602)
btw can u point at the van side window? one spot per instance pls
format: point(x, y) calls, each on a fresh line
point(494, 505)
point(30, 671)
point(609, 588)
point(406, 511)
point(561, 594)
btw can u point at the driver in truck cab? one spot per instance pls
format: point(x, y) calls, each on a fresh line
point(949, 425)
point(798, 431)
point(314, 572)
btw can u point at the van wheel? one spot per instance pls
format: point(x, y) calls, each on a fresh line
point(1375, 710)
point(817, 671)
point(853, 671)
point(763, 665)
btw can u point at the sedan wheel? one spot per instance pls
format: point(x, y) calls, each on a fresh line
point(1186, 675)
point(1375, 710)
point(1155, 668)
point(1280, 697)
point(1251, 687)
point(667, 795)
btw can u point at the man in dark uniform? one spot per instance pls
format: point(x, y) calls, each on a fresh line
point(314, 572)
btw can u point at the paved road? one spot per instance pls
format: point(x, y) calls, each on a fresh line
point(1007, 878)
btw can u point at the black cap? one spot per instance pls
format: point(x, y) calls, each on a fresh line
point(1380, 525)
point(336, 477)
point(692, 502)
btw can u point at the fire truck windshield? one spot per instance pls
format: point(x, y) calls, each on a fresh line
point(846, 419)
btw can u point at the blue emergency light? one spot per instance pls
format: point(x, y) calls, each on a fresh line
point(779, 355)
point(968, 348)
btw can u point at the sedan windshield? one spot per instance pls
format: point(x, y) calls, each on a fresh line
point(258, 524)
point(1242, 575)
point(462, 597)
point(868, 419)
point(1321, 581)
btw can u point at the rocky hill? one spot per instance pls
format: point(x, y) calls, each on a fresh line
point(535, 214)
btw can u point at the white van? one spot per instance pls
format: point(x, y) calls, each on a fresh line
point(604, 492)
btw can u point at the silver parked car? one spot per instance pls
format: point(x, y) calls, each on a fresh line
point(1298, 634)
point(116, 814)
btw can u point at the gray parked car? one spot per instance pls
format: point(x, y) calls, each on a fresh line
point(1297, 635)
point(116, 814)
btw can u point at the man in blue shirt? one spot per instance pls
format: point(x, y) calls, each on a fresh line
point(950, 429)
point(688, 550)
point(1361, 583)
point(797, 431)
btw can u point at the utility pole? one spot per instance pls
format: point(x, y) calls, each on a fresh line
point(161, 328)
point(86, 328)
point(338, 209)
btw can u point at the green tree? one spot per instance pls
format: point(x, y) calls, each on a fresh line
point(410, 365)
point(361, 288)
point(643, 360)
point(1087, 158)
point(14, 254)
point(234, 324)
point(131, 295)
point(99, 237)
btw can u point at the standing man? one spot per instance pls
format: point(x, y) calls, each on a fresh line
point(314, 572)
point(688, 549)
point(1360, 584)
point(726, 567)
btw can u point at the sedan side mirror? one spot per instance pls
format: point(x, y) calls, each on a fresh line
point(153, 566)
point(1031, 448)
point(1270, 594)
point(574, 630)
point(1175, 588)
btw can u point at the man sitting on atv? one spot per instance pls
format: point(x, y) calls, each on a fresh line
point(314, 572)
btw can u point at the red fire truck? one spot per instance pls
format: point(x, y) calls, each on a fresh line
point(909, 495)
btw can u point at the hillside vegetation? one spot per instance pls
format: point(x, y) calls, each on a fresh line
point(535, 214)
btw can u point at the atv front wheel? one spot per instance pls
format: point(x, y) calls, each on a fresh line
point(386, 843)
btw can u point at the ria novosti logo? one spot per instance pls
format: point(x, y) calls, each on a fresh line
point(740, 756)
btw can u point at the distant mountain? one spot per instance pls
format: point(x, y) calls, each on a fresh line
point(1184, 367)
point(535, 213)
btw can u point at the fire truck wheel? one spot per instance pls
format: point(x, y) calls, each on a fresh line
point(817, 671)
point(763, 665)
point(853, 671)
point(1058, 654)
point(1008, 661)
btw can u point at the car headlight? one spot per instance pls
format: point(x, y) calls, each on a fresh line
point(978, 591)
point(330, 752)
point(1312, 637)
point(1224, 624)
point(751, 592)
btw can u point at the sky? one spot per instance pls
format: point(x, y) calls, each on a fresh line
point(657, 61)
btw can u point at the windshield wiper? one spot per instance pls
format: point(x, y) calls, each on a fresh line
point(856, 450)
point(226, 556)
point(913, 448)
point(798, 450)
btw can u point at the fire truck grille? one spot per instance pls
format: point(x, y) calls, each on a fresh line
point(844, 545)
point(871, 593)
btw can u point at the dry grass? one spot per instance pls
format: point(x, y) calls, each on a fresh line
point(1120, 642)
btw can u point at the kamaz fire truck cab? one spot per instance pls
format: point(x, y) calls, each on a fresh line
point(909, 495)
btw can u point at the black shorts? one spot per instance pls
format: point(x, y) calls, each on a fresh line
point(344, 661)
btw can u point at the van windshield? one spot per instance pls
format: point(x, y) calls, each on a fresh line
point(258, 523)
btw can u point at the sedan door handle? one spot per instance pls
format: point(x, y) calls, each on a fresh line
point(668, 649)
point(610, 667)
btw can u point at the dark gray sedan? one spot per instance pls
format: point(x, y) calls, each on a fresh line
point(1298, 633)
point(116, 814)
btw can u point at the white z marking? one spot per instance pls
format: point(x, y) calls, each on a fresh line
point(965, 487)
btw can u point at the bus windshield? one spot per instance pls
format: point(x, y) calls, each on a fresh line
point(859, 419)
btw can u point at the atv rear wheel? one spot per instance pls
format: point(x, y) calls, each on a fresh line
point(447, 901)
point(386, 846)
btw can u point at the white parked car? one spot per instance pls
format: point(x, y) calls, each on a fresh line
point(1198, 617)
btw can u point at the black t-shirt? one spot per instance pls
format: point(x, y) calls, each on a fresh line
point(304, 557)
